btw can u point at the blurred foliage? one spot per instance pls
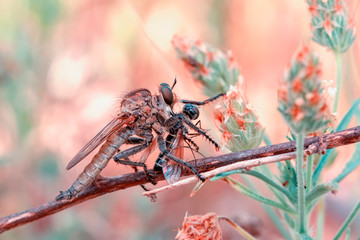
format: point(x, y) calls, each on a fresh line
point(111, 45)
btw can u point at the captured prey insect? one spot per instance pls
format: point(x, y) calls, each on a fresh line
point(173, 146)
point(177, 135)
point(140, 114)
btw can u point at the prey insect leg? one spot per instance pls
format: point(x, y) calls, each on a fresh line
point(190, 124)
point(203, 102)
point(162, 147)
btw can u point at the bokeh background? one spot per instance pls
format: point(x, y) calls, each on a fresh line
point(63, 66)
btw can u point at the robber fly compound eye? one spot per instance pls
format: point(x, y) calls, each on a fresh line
point(191, 111)
point(167, 93)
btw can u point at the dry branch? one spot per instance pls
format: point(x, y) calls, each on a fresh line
point(107, 185)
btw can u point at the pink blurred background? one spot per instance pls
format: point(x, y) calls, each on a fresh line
point(64, 64)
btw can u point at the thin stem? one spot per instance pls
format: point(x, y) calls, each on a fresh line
point(320, 219)
point(300, 182)
point(310, 164)
point(348, 221)
point(338, 58)
point(348, 232)
point(238, 228)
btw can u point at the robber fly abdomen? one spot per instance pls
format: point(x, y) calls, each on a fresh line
point(99, 161)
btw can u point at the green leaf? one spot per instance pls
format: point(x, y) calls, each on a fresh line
point(246, 191)
point(320, 190)
point(343, 124)
point(351, 165)
point(353, 162)
point(348, 220)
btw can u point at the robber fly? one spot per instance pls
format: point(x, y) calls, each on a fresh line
point(140, 113)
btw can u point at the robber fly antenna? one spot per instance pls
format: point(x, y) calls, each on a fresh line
point(173, 83)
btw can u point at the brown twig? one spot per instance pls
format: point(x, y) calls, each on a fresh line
point(107, 185)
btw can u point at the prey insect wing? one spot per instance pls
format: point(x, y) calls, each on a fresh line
point(109, 129)
point(172, 170)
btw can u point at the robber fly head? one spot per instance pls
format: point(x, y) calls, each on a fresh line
point(191, 111)
point(167, 94)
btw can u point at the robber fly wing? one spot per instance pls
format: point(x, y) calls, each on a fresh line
point(109, 129)
point(148, 151)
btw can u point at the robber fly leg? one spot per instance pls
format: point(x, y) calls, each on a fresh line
point(162, 147)
point(123, 158)
point(129, 152)
point(141, 185)
point(136, 170)
point(135, 140)
point(127, 161)
point(203, 102)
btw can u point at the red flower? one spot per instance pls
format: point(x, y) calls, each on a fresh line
point(302, 54)
point(241, 122)
point(327, 24)
point(204, 70)
point(282, 93)
point(219, 116)
point(314, 97)
point(312, 70)
point(210, 56)
point(297, 85)
point(227, 135)
point(338, 7)
point(297, 113)
point(313, 8)
point(199, 227)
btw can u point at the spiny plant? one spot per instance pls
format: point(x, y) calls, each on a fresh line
point(303, 103)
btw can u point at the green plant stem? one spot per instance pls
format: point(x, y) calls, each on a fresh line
point(338, 59)
point(310, 164)
point(348, 221)
point(348, 232)
point(301, 226)
point(320, 219)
